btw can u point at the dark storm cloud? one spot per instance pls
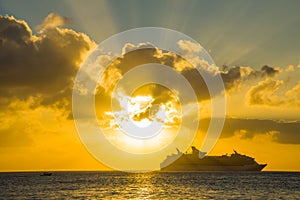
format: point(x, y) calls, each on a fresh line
point(281, 131)
point(232, 76)
point(41, 65)
point(268, 71)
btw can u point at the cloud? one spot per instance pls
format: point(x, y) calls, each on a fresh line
point(53, 20)
point(20, 124)
point(40, 69)
point(263, 93)
point(269, 71)
point(135, 55)
point(284, 132)
point(18, 33)
point(192, 53)
point(267, 93)
point(141, 55)
point(189, 47)
point(41, 66)
point(10, 128)
point(128, 47)
point(110, 78)
point(294, 92)
point(290, 68)
point(233, 77)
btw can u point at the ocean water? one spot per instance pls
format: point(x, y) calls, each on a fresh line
point(167, 185)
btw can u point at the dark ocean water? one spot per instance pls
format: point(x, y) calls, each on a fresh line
point(118, 185)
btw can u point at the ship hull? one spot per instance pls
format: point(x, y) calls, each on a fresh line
point(254, 167)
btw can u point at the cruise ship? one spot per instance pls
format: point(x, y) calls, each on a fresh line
point(197, 161)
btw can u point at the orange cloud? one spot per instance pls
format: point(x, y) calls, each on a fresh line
point(53, 20)
point(265, 94)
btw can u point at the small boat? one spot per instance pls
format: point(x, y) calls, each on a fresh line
point(46, 174)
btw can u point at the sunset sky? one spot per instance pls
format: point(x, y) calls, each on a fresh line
point(254, 44)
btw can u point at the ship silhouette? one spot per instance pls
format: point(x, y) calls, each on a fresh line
point(197, 161)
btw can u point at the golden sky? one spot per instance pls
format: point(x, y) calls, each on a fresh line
point(38, 69)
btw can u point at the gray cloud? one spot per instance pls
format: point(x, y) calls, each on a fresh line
point(42, 65)
point(268, 71)
point(150, 55)
point(233, 76)
point(281, 131)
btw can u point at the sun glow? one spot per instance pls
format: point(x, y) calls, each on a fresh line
point(139, 110)
point(142, 111)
